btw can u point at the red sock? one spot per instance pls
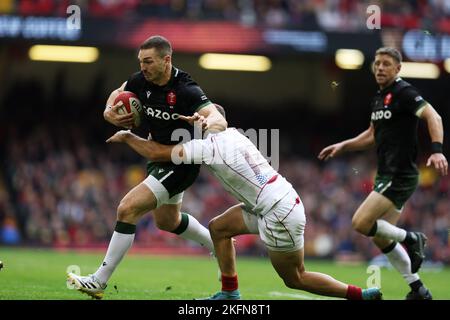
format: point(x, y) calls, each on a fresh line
point(229, 283)
point(354, 293)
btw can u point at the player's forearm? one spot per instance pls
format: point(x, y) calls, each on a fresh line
point(216, 122)
point(435, 128)
point(434, 123)
point(112, 97)
point(363, 141)
point(110, 102)
point(147, 148)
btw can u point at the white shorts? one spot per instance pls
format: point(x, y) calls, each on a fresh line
point(282, 228)
point(161, 193)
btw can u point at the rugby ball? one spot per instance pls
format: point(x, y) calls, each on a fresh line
point(131, 104)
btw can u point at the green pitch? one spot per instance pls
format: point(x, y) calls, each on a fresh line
point(40, 274)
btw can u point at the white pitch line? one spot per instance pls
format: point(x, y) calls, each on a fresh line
point(294, 295)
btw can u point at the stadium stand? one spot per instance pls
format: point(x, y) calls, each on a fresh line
point(61, 185)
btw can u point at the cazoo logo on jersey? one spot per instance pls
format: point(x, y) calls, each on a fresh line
point(158, 114)
point(381, 114)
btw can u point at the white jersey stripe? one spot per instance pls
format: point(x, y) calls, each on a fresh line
point(218, 152)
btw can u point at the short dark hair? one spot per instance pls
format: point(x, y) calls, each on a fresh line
point(392, 52)
point(220, 109)
point(161, 44)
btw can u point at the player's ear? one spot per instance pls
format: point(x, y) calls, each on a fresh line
point(373, 67)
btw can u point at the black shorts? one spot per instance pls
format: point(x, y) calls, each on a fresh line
point(398, 189)
point(175, 178)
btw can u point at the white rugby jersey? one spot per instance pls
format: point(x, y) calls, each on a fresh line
point(241, 168)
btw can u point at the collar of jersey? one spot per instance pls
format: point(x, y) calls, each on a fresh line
point(168, 84)
point(385, 90)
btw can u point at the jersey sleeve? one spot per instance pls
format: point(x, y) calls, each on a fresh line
point(133, 83)
point(198, 151)
point(412, 101)
point(196, 98)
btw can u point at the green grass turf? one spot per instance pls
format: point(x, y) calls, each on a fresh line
point(41, 274)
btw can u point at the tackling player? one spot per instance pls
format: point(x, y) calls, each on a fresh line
point(396, 109)
point(270, 207)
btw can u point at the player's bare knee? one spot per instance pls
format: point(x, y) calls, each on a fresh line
point(124, 211)
point(216, 229)
point(128, 212)
point(293, 283)
point(292, 280)
point(360, 225)
point(288, 283)
point(213, 228)
point(300, 279)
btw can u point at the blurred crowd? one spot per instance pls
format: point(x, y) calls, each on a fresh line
point(60, 183)
point(337, 15)
point(59, 189)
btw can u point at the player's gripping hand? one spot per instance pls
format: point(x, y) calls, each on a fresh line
point(112, 115)
point(331, 151)
point(439, 162)
point(196, 119)
point(119, 136)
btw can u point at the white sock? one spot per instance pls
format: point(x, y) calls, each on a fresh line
point(389, 231)
point(400, 260)
point(195, 231)
point(118, 247)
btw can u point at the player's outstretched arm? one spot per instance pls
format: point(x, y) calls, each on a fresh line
point(363, 141)
point(111, 113)
point(149, 149)
point(436, 131)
